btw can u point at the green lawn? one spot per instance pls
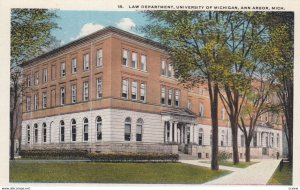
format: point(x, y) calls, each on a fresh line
point(240, 165)
point(92, 172)
point(283, 177)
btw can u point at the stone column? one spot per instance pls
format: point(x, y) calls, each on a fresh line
point(166, 127)
point(175, 132)
point(171, 131)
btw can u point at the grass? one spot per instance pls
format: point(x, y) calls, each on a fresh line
point(95, 172)
point(283, 177)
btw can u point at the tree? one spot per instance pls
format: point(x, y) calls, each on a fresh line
point(279, 53)
point(30, 37)
point(192, 40)
point(256, 104)
point(235, 72)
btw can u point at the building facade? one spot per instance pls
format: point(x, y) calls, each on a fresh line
point(113, 91)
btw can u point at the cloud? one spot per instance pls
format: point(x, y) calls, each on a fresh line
point(87, 29)
point(126, 24)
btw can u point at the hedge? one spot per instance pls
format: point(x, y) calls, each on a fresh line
point(54, 154)
point(97, 157)
point(132, 157)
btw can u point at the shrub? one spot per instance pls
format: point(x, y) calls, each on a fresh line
point(54, 154)
point(132, 157)
point(223, 156)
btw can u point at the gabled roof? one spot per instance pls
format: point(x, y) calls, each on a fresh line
point(94, 35)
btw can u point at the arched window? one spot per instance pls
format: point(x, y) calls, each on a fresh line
point(200, 137)
point(44, 132)
point(62, 131)
point(99, 128)
point(73, 129)
point(28, 134)
point(127, 129)
point(139, 129)
point(36, 133)
point(85, 129)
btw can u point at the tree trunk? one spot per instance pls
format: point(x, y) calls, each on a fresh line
point(235, 150)
point(215, 139)
point(12, 137)
point(247, 151)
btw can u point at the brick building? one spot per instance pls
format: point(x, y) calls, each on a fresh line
point(116, 91)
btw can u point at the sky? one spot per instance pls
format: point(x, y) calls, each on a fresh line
point(76, 24)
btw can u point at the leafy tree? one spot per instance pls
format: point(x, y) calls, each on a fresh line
point(195, 42)
point(30, 37)
point(279, 53)
point(235, 72)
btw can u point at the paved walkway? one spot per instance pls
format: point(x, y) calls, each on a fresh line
point(256, 174)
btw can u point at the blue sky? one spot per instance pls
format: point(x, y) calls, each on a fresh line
point(76, 24)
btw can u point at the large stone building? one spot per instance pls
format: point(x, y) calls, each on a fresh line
point(116, 91)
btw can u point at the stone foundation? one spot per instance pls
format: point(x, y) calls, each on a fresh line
point(109, 147)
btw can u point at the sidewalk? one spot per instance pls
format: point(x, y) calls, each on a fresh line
point(256, 174)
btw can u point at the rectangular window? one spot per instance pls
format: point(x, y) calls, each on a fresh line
point(134, 60)
point(223, 114)
point(62, 96)
point(201, 110)
point(74, 93)
point(144, 63)
point(44, 99)
point(36, 101)
point(163, 95)
point(125, 88)
point(86, 62)
point(143, 92)
point(74, 65)
point(63, 70)
point(125, 57)
point(189, 104)
point(45, 75)
point(53, 72)
point(177, 96)
point(28, 103)
point(170, 71)
point(163, 68)
point(53, 98)
point(28, 80)
point(170, 94)
point(134, 90)
point(99, 58)
point(99, 88)
point(36, 78)
point(267, 117)
point(85, 91)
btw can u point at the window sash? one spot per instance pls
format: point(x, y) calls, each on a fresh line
point(63, 69)
point(62, 134)
point(86, 62)
point(36, 102)
point(125, 88)
point(170, 94)
point(74, 65)
point(36, 78)
point(45, 75)
point(28, 103)
point(143, 63)
point(142, 92)
point(177, 94)
point(125, 58)
point(163, 95)
point(73, 133)
point(62, 96)
point(85, 91)
point(134, 60)
point(99, 88)
point(99, 130)
point(163, 68)
point(74, 93)
point(99, 58)
point(134, 90)
point(44, 100)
